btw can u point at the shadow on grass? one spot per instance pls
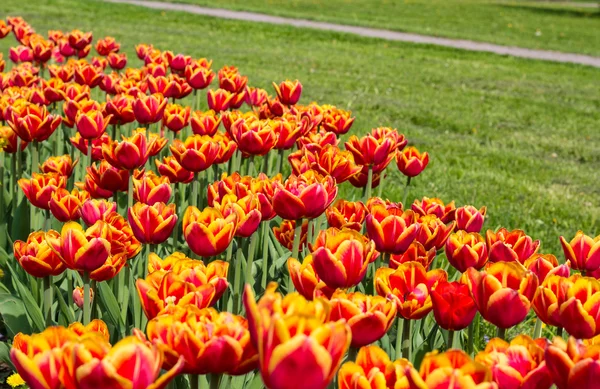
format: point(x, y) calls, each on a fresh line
point(576, 13)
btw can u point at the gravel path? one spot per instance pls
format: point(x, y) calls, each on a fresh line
point(544, 55)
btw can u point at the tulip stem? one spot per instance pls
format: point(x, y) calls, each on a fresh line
point(352, 353)
point(195, 185)
point(89, 155)
point(237, 276)
point(501, 333)
point(559, 331)
point(251, 169)
point(265, 166)
point(194, 381)
point(46, 219)
point(406, 339)
point(265, 263)
point(280, 161)
point(48, 298)
point(450, 342)
point(380, 186)
point(295, 250)
point(35, 157)
point(369, 186)
point(398, 337)
point(537, 330)
point(215, 380)
point(406, 192)
point(87, 311)
point(130, 191)
point(470, 340)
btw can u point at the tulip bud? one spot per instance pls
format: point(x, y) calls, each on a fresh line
point(78, 296)
point(410, 162)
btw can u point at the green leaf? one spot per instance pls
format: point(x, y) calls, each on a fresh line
point(14, 316)
point(5, 355)
point(111, 307)
point(256, 382)
point(33, 310)
point(20, 221)
point(64, 308)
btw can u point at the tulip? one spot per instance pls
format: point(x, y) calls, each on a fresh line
point(330, 160)
point(549, 298)
point(20, 54)
point(87, 251)
point(433, 233)
point(253, 137)
point(341, 257)
point(501, 285)
point(579, 311)
point(346, 214)
point(88, 75)
point(121, 235)
point(583, 252)
point(369, 317)
point(107, 45)
point(392, 230)
point(208, 232)
point(246, 208)
point(469, 218)
point(465, 250)
point(78, 296)
point(155, 141)
point(227, 147)
point(170, 168)
point(78, 39)
point(509, 246)
point(149, 109)
point(544, 265)
point(131, 153)
point(337, 121)
point(305, 279)
point(151, 189)
point(196, 154)
point(415, 253)
point(409, 286)
point(360, 179)
point(376, 152)
point(320, 138)
point(168, 263)
point(572, 364)
point(219, 100)
point(255, 97)
point(453, 306)
point(42, 50)
point(107, 178)
point(304, 196)
point(53, 90)
point(452, 369)
point(92, 124)
point(188, 281)
point(288, 92)
point(36, 257)
point(296, 347)
point(205, 123)
point(152, 224)
point(121, 109)
point(117, 61)
point(231, 80)
point(410, 162)
point(285, 234)
point(32, 122)
point(4, 29)
point(210, 342)
point(65, 205)
point(9, 140)
point(518, 364)
point(62, 165)
point(435, 206)
point(64, 73)
point(142, 49)
point(40, 187)
point(176, 117)
point(199, 77)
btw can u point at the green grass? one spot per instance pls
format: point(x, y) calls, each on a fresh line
point(523, 23)
point(518, 136)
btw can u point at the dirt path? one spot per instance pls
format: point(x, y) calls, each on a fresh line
point(544, 55)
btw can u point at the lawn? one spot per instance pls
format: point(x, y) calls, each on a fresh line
point(518, 136)
point(528, 24)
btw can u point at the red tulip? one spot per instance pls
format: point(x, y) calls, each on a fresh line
point(453, 306)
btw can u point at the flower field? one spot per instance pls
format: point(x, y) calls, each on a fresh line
point(167, 224)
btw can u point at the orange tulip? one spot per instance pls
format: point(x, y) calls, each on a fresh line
point(501, 285)
point(297, 347)
point(253, 137)
point(36, 257)
point(369, 317)
point(88, 75)
point(549, 297)
point(92, 124)
point(78, 39)
point(330, 160)
point(121, 108)
point(341, 257)
point(42, 50)
point(65, 205)
point(149, 109)
point(544, 265)
point(579, 311)
point(152, 224)
point(518, 364)
point(117, 61)
point(452, 369)
point(9, 140)
point(208, 232)
point(410, 162)
point(107, 178)
point(246, 208)
point(54, 90)
point(415, 253)
point(583, 251)
point(176, 117)
point(88, 251)
point(209, 341)
point(255, 97)
point(40, 187)
point(32, 122)
point(320, 138)
point(337, 121)
point(4, 29)
point(360, 179)
point(433, 232)
point(465, 250)
point(64, 73)
point(372, 150)
point(572, 364)
point(121, 236)
point(391, 229)
point(507, 246)
point(170, 168)
point(305, 279)
point(409, 286)
point(288, 92)
point(151, 189)
point(179, 62)
point(20, 54)
point(198, 76)
point(346, 214)
point(107, 45)
point(197, 153)
point(469, 218)
point(304, 196)
point(62, 165)
point(284, 233)
point(231, 80)
point(205, 123)
point(73, 108)
point(453, 306)
point(435, 206)
point(130, 153)
point(219, 100)
point(188, 281)
point(374, 370)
